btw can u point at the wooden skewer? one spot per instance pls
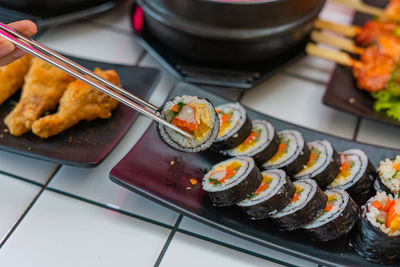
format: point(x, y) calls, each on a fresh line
point(332, 55)
point(336, 41)
point(360, 6)
point(346, 30)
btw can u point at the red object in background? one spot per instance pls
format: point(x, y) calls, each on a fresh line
point(137, 19)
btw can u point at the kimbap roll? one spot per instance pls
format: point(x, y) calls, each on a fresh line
point(355, 176)
point(234, 126)
point(232, 181)
point(377, 238)
point(274, 193)
point(307, 203)
point(292, 155)
point(194, 115)
point(337, 219)
point(323, 164)
point(261, 144)
point(388, 179)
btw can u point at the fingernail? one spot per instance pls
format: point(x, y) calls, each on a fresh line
point(6, 47)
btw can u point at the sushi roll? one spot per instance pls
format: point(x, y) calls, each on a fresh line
point(194, 115)
point(292, 155)
point(377, 235)
point(323, 164)
point(307, 203)
point(232, 181)
point(388, 179)
point(274, 193)
point(261, 144)
point(337, 219)
point(355, 176)
point(234, 126)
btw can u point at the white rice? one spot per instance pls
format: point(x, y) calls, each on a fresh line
point(276, 184)
point(295, 147)
point(325, 157)
point(267, 133)
point(179, 141)
point(342, 198)
point(388, 174)
point(237, 120)
point(247, 166)
point(309, 189)
point(373, 213)
point(360, 160)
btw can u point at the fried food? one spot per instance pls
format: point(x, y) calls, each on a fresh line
point(79, 102)
point(12, 77)
point(44, 86)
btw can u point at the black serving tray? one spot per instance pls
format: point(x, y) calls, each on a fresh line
point(49, 17)
point(239, 77)
point(87, 143)
point(342, 92)
point(168, 184)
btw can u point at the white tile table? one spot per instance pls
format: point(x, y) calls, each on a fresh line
point(65, 216)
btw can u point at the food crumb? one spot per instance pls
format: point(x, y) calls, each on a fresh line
point(1, 136)
point(172, 162)
point(29, 148)
point(6, 130)
point(193, 181)
point(352, 100)
point(188, 188)
point(70, 139)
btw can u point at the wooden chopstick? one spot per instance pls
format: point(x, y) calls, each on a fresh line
point(360, 6)
point(346, 30)
point(336, 41)
point(46, 54)
point(332, 55)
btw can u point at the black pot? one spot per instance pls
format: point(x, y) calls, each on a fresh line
point(229, 32)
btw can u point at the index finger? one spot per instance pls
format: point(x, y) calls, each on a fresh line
point(25, 27)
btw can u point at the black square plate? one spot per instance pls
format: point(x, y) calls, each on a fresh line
point(168, 184)
point(342, 91)
point(87, 143)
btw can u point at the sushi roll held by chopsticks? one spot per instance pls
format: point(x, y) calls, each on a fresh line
point(195, 116)
point(377, 238)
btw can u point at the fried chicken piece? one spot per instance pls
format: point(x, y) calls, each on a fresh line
point(375, 71)
point(372, 30)
point(44, 85)
point(392, 10)
point(12, 76)
point(79, 102)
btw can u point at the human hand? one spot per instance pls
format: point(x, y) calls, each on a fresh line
point(8, 51)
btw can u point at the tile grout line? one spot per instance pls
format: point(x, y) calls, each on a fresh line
point(21, 178)
point(105, 206)
point(168, 242)
point(251, 253)
point(357, 129)
point(21, 218)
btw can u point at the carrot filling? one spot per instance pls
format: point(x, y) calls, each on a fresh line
point(222, 173)
point(250, 141)
point(192, 118)
point(282, 150)
point(265, 183)
point(299, 189)
point(224, 121)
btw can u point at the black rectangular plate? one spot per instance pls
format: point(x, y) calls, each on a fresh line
point(342, 92)
point(168, 184)
point(87, 143)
